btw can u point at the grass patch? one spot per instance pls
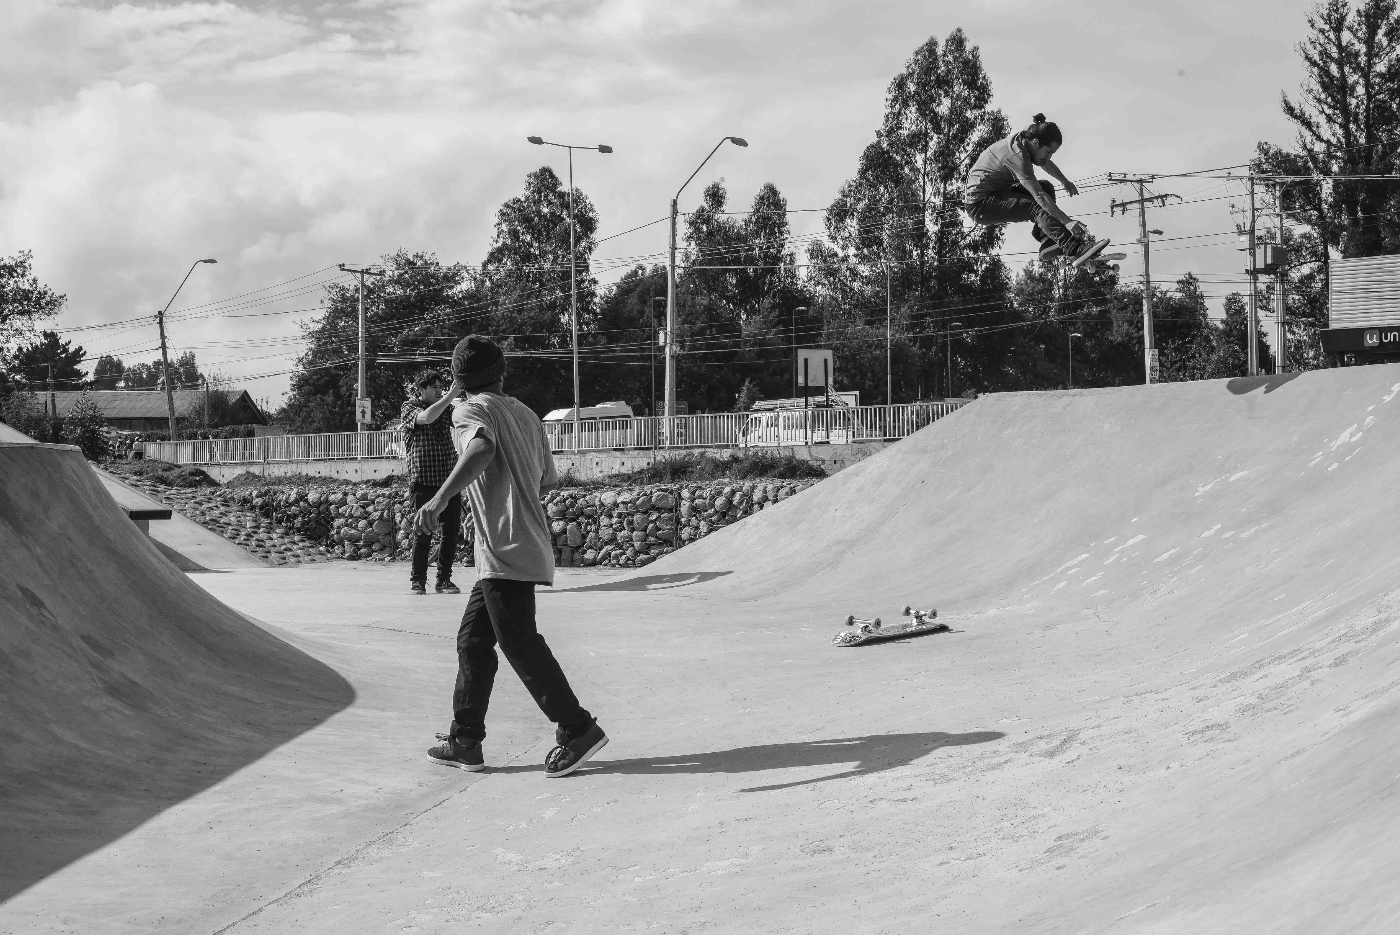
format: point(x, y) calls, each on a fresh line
point(702, 466)
point(163, 473)
point(250, 479)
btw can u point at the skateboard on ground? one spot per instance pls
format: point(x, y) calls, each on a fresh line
point(860, 631)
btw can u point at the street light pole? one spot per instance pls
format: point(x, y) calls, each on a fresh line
point(1073, 335)
point(948, 337)
point(652, 310)
point(670, 388)
point(165, 354)
point(573, 265)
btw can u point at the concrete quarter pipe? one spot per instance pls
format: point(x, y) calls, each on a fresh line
point(124, 687)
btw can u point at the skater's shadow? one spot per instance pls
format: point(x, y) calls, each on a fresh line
point(651, 582)
point(872, 754)
point(1242, 385)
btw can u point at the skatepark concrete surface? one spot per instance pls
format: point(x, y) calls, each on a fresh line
point(1165, 703)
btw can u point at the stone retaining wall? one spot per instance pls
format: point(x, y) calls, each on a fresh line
point(626, 527)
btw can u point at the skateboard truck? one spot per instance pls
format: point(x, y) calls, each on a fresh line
point(920, 616)
point(864, 626)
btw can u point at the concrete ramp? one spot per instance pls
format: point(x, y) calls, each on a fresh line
point(1182, 605)
point(124, 687)
point(184, 542)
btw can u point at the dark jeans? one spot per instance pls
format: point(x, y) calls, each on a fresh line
point(451, 521)
point(1017, 206)
point(501, 611)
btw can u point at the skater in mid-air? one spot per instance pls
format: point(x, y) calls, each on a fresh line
point(504, 463)
point(1002, 189)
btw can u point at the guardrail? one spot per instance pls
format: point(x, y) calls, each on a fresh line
point(762, 429)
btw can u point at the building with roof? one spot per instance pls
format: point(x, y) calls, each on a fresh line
point(145, 410)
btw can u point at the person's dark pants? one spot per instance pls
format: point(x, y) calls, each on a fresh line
point(451, 521)
point(501, 611)
point(1017, 206)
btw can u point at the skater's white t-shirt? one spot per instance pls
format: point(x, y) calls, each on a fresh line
point(512, 531)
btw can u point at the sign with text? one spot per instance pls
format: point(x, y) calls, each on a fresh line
point(362, 411)
point(815, 368)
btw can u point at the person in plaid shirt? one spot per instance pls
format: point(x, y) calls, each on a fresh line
point(430, 457)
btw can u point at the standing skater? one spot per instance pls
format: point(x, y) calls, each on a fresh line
point(504, 464)
point(1002, 188)
point(427, 438)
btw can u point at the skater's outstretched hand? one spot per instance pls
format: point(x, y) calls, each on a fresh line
point(1070, 188)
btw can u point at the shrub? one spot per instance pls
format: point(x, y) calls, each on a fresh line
point(86, 427)
point(703, 466)
point(25, 413)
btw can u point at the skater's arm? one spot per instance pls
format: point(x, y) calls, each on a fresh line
point(475, 457)
point(1054, 171)
point(429, 414)
point(1021, 169)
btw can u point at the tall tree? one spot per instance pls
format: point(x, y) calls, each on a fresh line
point(1348, 120)
point(24, 301)
point(525, 277)
point(903, 209)
point(414, 315)
point(107, 373)
point(737, 298)
point(32, 361)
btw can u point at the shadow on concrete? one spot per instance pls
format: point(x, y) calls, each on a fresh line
point(651, 582)
point(125, 688)
point(179, 559)
point(1242, 385)
point(872, 754)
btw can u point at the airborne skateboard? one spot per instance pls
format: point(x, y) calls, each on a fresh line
point(872, 631)
point(1104, 261)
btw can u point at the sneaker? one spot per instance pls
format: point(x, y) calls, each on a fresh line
point(572, 754)
point(447, 587)
point(1092, 249)
point(452, 753)
point(418, 587)
point(1048, 251)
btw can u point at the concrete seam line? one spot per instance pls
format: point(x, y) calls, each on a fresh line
point(315, 877)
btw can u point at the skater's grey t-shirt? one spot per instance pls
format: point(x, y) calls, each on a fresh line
point(1001, 167)
point(512, 531)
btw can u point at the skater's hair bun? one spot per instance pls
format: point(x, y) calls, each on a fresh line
point(1042, 131)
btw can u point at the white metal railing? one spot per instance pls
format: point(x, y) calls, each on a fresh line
point(767, 428)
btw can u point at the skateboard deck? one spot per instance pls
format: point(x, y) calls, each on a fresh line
point(859, 631)
point(1104, 261)
point(1084, 259)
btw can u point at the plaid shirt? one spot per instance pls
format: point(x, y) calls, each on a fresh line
point(428, 450)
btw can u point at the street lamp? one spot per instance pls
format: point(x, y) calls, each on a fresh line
point(165, 355)
point(800, 308)
point(949, 338)
point(573, 263)
point(670, 389)
point(1073, 335)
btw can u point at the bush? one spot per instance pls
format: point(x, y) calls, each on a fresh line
point(164, 473)
point(86, 427)
point(25, 413)
point(703, 466)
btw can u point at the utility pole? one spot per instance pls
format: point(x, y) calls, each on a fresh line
point(206, 400)
point(53, 400)
point(1149, 339)
point(1281, 346)
point(1252, 326)
point(362, 272)
point(165, 374)
point(889, 338)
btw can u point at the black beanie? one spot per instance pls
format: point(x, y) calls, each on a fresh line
point(477, 362)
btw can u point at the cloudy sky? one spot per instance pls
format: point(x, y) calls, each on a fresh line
point(283, 138)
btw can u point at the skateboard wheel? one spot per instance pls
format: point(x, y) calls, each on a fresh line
point(850, 620)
